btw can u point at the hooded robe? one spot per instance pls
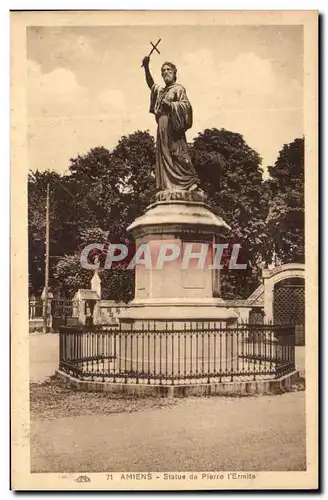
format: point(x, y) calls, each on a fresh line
point(174, 169)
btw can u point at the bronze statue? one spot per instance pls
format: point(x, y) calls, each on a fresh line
point(173, 112)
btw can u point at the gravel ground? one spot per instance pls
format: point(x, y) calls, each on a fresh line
point(54, 400)
point(75, 432)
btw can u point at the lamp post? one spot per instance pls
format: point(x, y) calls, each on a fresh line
point(46, 295)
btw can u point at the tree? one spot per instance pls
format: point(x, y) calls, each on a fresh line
point(106, 190)
point(115, 187)
point(110, 190)
point(63, 233)
point(285, 220)
point(231, 175)
point(116, 283)
point(131, 176)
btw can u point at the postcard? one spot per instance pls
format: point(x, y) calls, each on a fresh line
point(164, 246)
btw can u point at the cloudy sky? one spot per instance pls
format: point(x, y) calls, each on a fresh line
point(86, 87)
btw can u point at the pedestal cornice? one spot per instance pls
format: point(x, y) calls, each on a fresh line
point(179, 211)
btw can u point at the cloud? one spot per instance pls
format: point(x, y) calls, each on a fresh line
point(54, 94)
point(89, 97)
point(58, 46)
point(245, 82)
point(246, 95)
point(58, 94)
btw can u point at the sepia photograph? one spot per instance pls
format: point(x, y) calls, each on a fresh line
point(164, 245)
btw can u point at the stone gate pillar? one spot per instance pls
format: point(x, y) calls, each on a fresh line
point(268, 285)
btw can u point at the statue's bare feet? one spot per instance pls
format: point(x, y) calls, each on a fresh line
point(194, 187)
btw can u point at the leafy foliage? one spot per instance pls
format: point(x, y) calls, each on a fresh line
point(64, 229)
point(231, 175)
point(285, 220)
point(106, 190)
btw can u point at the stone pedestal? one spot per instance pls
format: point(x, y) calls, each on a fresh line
point(176, 291)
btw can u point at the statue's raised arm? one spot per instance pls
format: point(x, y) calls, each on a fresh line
point(149, 78)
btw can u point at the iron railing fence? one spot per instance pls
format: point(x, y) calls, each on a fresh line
point(63, 308)
point(63, 312)
point(195, 353)
point(35, 308)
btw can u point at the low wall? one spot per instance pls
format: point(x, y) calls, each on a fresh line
point(110, 311)
point(248, 388)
